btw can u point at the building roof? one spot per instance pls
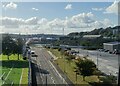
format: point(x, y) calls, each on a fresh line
point(91, 36)
point(112, 43)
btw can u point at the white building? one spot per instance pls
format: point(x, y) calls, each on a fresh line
point(111, 46)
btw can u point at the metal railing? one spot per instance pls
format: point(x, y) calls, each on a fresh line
point(29, 72)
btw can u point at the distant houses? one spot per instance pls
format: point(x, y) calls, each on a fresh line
point(116, 30)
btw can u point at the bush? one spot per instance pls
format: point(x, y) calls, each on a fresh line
point(72, 56)
point(108, 80)
point(59, 49)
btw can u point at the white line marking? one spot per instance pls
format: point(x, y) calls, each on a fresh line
point(58, 73)
point(2, 75)
point(12, 84)
point(7, 75)
point(53, 80)
point(21, 77)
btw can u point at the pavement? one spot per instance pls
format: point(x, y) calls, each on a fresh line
point(45, 70)
point(107, 63)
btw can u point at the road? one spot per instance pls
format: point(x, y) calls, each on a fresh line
point(107, 63)
point(46, 71)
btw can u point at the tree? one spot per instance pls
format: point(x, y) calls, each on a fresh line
point(7, 46)
point(86, 67)
point(19, 47)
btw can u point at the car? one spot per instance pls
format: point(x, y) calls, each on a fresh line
point(118, 53)
point(34, 55)
point(32, 52)
point(101, 50)
point(106, 51)
point(110, 52)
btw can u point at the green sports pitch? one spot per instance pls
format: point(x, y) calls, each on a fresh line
point(13, 71)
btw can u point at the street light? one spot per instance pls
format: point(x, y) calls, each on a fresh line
point(97, 58)
point(64, 63)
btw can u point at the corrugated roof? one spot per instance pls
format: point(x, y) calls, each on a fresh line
point(113, 43)
point(91, 36)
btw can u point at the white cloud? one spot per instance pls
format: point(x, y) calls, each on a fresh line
point(11, 5)
point(97, 9)
point(112, 8)
point(16, 22)
point(32, 21)
point(69, 6)
point(42, 21)
point(35, 9)
point(101, 24)
point(79, 22)
point(7, 21)
point(83, 18)
point(56, 23)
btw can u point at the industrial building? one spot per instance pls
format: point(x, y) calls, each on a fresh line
point(112, 46)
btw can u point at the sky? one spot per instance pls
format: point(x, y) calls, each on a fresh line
point(53, 17)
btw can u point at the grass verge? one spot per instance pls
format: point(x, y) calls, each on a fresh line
point(68, 68)
point(12, 70)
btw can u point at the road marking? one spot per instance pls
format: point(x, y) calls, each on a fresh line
point(2, 75)
point(58, 72)
point(21, 77)
point(53, 80)
point(42, 79)
point(40, 73)
point(52, 55)
point(12, 84)
point(7, 75)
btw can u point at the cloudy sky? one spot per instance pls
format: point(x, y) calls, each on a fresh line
point(52, 17)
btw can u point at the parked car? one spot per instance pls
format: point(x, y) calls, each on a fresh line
point(106, 51)
point(32, 52)
point(110, 52)
point(117, 52)
point(34, 55)
point(101, 50)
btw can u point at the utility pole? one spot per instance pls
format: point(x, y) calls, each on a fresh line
point(64, 63)
point(97, 58)
point(63, 31)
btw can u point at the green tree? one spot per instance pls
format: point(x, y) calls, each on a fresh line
point(19, 47)
point(86, 67)
point(8, 46)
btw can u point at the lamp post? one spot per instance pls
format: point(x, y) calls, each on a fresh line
point(97, 58)
point(64, 63)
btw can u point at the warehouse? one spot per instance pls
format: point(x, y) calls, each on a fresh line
point(112, 46)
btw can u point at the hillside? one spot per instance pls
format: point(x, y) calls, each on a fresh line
point(105, 32)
